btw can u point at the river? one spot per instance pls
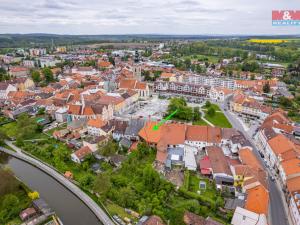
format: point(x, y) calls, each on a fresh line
point(67, 206)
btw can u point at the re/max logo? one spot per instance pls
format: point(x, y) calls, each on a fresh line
point(286, 17)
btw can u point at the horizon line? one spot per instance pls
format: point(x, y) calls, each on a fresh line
point(154, 34)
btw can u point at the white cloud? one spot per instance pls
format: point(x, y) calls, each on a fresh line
point(143, 16)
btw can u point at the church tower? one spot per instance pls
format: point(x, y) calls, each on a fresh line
point(137, 68)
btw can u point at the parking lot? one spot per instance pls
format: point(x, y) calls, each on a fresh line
point(153, 109)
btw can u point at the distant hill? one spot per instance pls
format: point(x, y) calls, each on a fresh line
point(45, 40)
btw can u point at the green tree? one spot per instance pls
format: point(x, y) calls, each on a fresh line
point(207, 104)
point(111, 60)
point(196, 113)
point(36, 76)
point(87, 180)
point(3, 74)
point(285, 102)
point(8, 182)
point(266, 87)
point(48, 74)
point(102, 183)
point(110, 148)
point(10, 208)
point(151, 178)
point(3, 136)
point(183, 111)
point(211, 112)
point(251, 66)
point(27, 127)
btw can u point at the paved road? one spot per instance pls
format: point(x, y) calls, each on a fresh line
point(278, 209)
point(96, 209)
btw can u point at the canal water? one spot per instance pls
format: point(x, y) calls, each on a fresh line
point(67, 206)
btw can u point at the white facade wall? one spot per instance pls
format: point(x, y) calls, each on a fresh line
point(294, 211)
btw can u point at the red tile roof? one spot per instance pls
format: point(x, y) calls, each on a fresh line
point(258, 200)
point(98, 123)
point(218, 160)
point(83, 152)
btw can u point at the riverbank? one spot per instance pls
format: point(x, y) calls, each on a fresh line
point(17, 200)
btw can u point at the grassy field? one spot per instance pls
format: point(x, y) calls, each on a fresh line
point(200, 122)
point(11, 130)
point(114, 209)
point(210, 190)
point(214, 106)
point(219, 120)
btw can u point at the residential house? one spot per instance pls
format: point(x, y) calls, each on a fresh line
point(294, 208)
point(219, 93)
point(133, 129)
point(27, 214)
point(105, 64)
point(246, 217)
point(178, 88)
point(79, 155)
point(99, 127)
point(202, 136)
point(193, 219)
point(170, 77)
point(90, 111)
point(37, 51)
point(211, 81)
point(94, 141)
point(249, 107)
point(5, 88)
point(153, 220)
point(220, 168)
point(18, 72)
point(85, 71)
point(61, 115)
point(119, 129)
point(141, 87)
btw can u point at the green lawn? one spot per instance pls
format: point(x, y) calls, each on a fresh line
point(200, 122)
point(212, 59)
point(219, 120)
point(114, 209)
point(214, 106)
point(4, 119)
point(10, 129)
point(210, 190)
point(50, 132)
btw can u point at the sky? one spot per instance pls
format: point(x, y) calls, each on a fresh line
point(200, 17)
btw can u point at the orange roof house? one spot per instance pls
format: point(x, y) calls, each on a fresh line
point(132, 84)
point(258, 200)
point(293, 184)
point(248, 158)
point(281, 144)
point(98, 123)
point(148, 134)
point(291, 167)
point(80, 154)
point(104, 64)
point(74, 109)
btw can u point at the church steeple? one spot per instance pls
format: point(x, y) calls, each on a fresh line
point(136, 57)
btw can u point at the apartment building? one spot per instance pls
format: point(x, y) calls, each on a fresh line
point(210, 81)
point(182, 88)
